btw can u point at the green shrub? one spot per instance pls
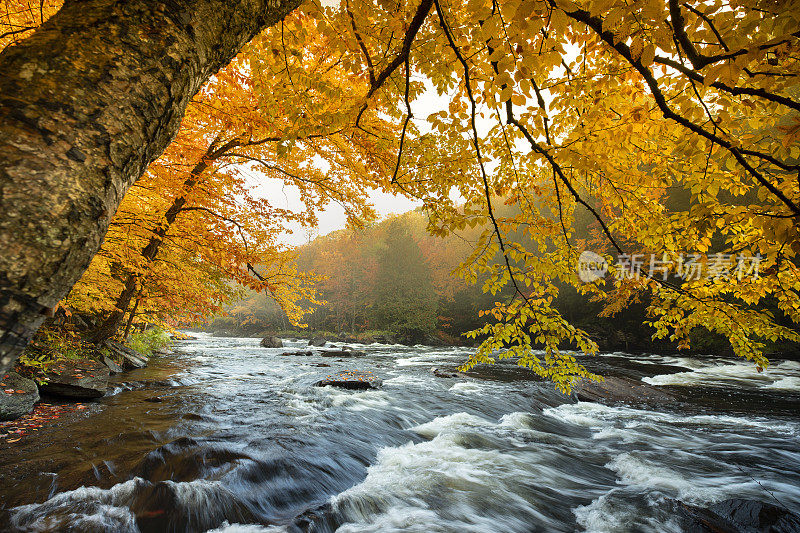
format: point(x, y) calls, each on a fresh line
point(148, 341)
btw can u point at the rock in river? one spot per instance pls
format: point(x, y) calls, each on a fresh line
point(271, 342)
point(617, 389)
point(738, 515)
point(17, 396)
point(317, 342)
point(353, 379)
point(81, 378)
point(346, 351)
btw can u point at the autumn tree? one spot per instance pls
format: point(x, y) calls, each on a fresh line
point(89, 100)
point(197, 197)
point(559, 107)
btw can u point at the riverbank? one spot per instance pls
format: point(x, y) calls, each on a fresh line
point(53, 374)
point(436, 338)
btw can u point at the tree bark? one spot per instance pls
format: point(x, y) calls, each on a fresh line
point(86, 103)
point(130, 320)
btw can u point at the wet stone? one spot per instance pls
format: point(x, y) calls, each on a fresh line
point(81, 378)
point(17, 396)
point(352, 379)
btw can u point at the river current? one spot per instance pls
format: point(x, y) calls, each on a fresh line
point(226, 436)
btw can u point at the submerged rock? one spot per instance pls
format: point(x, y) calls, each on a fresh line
point(81, 378)
point(617, 389)
point(303, 353)
point(439, 373)
point(353, 379)
point(346, 351)
point(738, 515)
point(271, 342)
point(17, 396)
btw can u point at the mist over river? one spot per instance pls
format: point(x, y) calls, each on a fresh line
point(224, 435)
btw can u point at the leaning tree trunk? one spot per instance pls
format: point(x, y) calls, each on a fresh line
point(109, 326)
point(86, 103)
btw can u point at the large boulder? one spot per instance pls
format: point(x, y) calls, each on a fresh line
point(131, 359)
point(317, 341)
point(82, 378)
point(304, 353)
point(271, 342)
point(617, 389)
point(738, 515)
point(352, 379)
point(17, 396)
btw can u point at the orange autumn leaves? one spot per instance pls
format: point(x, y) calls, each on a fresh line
point(225, 234)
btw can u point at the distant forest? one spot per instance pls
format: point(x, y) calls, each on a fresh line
point(394, 278)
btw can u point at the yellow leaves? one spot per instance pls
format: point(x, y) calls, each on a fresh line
point(558, 21)
point(648, 54)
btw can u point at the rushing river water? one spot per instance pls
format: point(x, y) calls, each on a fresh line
point(226, 436)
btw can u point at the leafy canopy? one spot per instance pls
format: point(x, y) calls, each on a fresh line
point(672, 125)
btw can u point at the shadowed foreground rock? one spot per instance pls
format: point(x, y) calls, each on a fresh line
point(354, 380)
point(17, 396)
point(76, 379)
point(617, 389)
point(738, 515)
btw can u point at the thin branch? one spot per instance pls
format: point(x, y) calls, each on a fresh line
point(409, 115)
point(596, 24)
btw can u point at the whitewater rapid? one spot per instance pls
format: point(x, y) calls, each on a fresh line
point(241, 441)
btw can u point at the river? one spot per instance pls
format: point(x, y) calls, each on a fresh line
point(224, 435)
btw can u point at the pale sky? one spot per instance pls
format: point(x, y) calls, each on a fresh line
point(333, 218)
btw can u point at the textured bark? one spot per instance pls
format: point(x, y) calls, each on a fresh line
point(86, 103)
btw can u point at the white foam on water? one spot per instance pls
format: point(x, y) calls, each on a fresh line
point(454, 422)
point(356, 401)
point(517, 420)
point(247, 528)
point(90, 507)
point(406, 379)
point(689, 486)
point(601, 417)
point(86, 507)
point(467, 387)
point(420, 360)
point(670, 458)
point(603, 516)
point(393, 497)
point(608, 514)
point(787, 373)
point(791, 383)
